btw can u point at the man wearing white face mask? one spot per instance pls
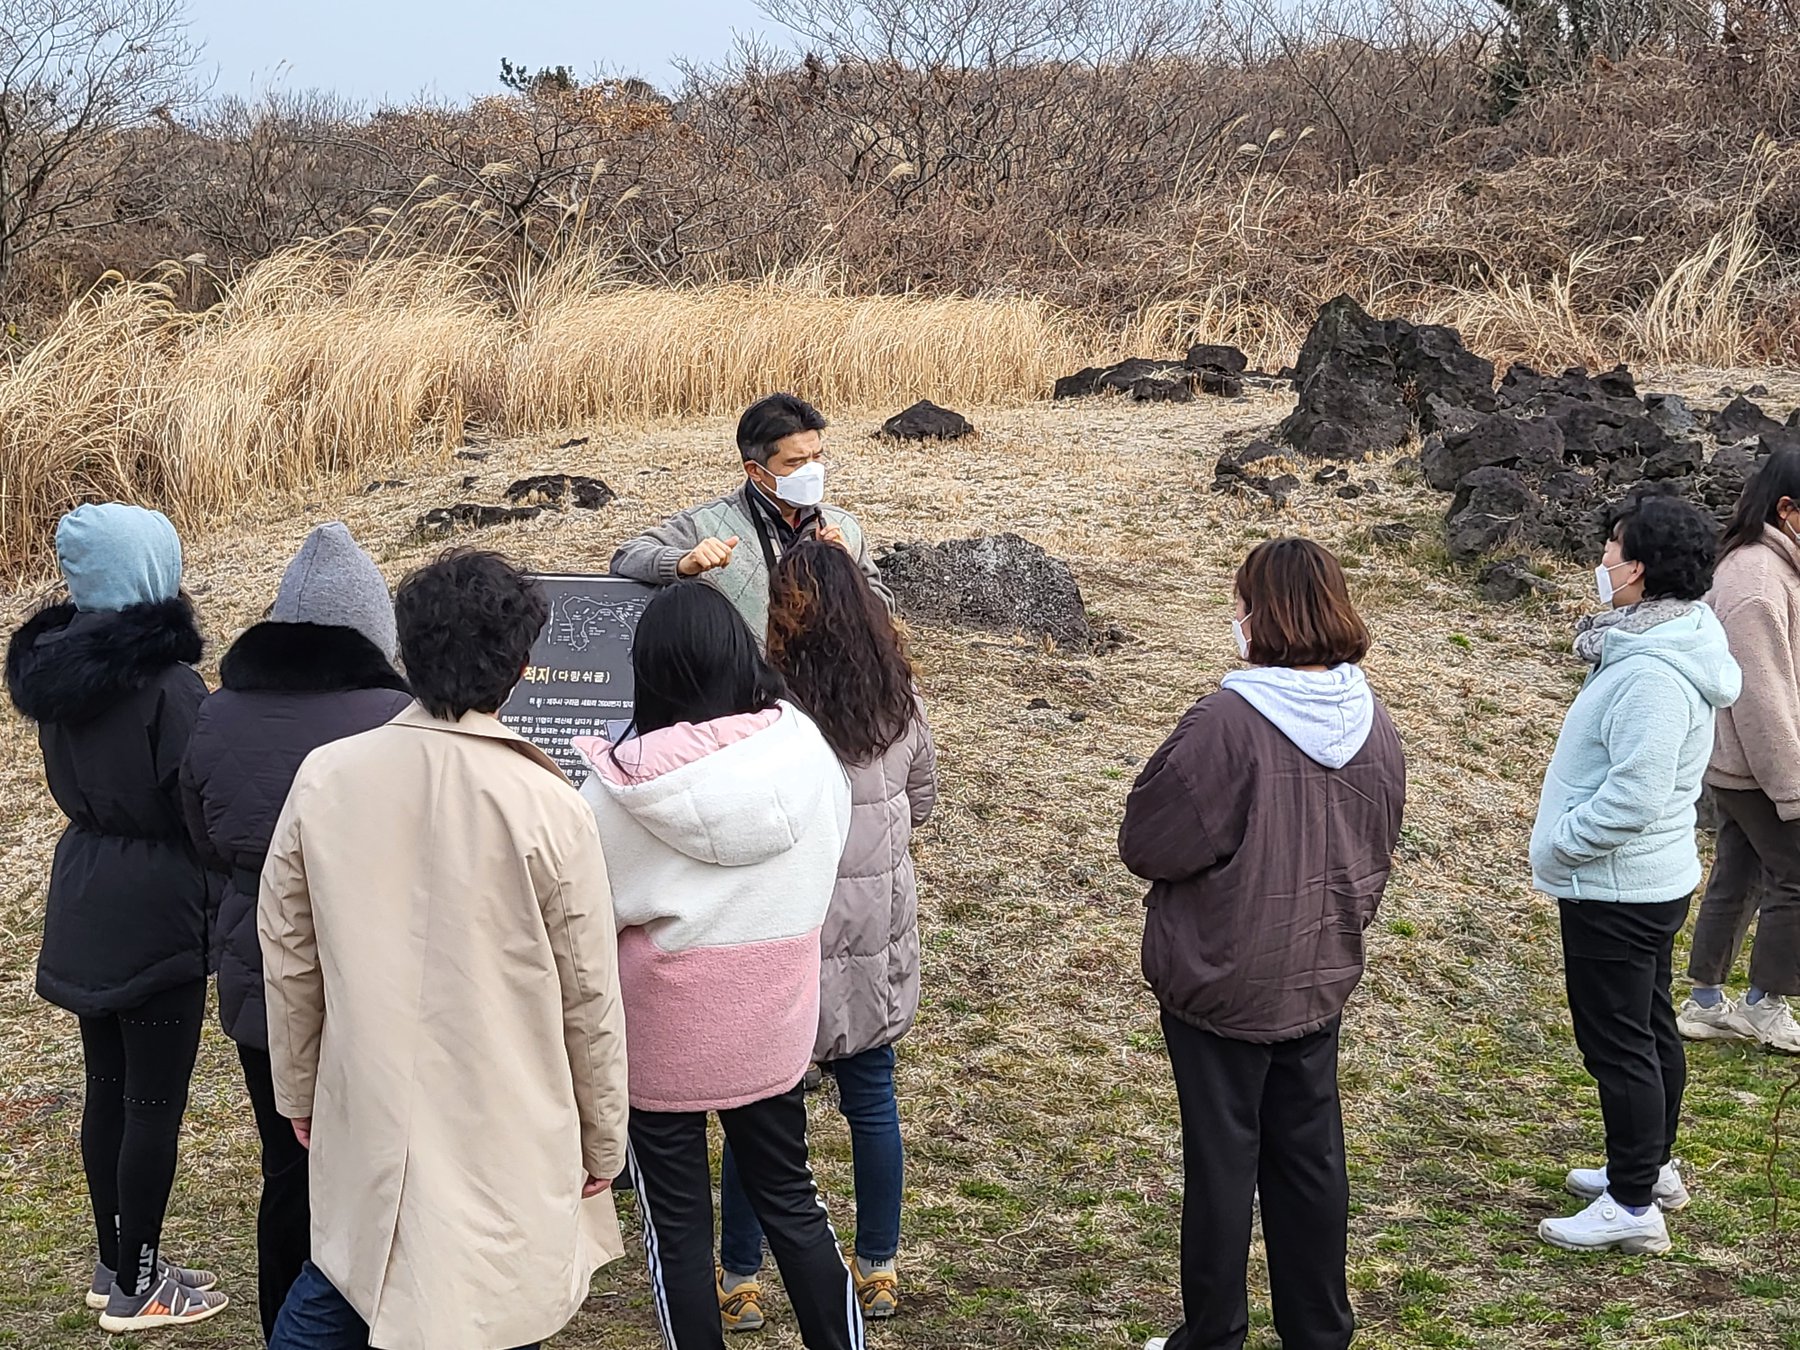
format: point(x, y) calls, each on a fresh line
point(734, 542)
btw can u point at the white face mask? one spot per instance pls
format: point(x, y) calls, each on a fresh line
point(805, 486)
point(1603, 581)
point(1239, 636)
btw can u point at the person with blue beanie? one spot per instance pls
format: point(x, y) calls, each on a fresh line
point(109, 679)
point(1614, 845)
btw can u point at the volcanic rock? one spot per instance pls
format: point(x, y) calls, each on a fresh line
point(1000, 583)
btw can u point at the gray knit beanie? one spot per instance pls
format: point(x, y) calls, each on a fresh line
point(333, 582)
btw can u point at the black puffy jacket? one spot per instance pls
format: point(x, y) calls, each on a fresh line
point(114, 696)
point(285, 690)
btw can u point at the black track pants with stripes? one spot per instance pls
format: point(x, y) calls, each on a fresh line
point(670, 1168)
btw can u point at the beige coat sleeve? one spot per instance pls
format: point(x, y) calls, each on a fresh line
point(578, 915)
point(293, 985)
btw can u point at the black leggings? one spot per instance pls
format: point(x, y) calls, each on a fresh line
point(138, 1066)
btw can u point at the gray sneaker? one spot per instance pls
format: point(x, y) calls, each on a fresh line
point(167, 1303)
point(1711, 1022)
point(101, 1289)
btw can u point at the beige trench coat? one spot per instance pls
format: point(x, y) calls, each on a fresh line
point(443, 992)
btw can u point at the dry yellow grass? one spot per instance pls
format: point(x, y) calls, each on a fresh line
point(322, 361)
point(317, 364)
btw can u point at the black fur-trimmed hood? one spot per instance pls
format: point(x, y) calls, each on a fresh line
point(306, 658)
point(66, 666)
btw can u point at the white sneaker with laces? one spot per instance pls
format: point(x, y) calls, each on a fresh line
point(1669, 1193)
point(1606, 1224)
point(1770, 1021)
point(1710, 1022)
point(1156, 1343)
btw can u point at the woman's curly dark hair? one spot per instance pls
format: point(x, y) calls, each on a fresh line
point(1674, 540)
point(840, 651)
point(467, 622)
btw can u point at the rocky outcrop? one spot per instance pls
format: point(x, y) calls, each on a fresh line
point(1210, 368)
point(561, 489)
point(445, 520)
point(999, 583)
point(1254, 470)
point(1366, 385)
point(926, 421)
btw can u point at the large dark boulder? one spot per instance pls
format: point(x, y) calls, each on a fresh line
point(1493, 509)
point(1672, 414)
point(1533, 445)
point(1599, 430)
point(1365, 384)
point(1677, 459)
point(925, 421)
point(1081, 384)
point(1350, 405)
point(1342, 415)
point(1740, 420)
point(1217, 356)
point(1437, 375)
point(1000, 583)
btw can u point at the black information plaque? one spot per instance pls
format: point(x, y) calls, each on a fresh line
point(579, 679)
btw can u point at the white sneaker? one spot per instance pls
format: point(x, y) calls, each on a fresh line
point(1669, 1193)
point(1770, 1021)
point(1717, 1022)
point(1606, 1224)
point(1156, 1343)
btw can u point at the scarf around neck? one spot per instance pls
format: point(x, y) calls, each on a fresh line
point(1591, 631)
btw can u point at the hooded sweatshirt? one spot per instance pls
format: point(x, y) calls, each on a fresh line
point(723, 841)
point(1326, 713)
point(1615, 820)
point(1266, 826)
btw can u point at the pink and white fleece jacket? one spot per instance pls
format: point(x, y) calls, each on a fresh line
point(722, 840)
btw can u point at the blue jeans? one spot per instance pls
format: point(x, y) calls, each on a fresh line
point(878, 1161)
point(317, 1317)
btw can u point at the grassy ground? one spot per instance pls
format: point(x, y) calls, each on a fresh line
point(1043, 1196)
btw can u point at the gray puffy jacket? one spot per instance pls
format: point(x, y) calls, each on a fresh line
point(869, 977)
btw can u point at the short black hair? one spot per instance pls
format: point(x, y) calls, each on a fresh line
point(467, 621)
point(1674, 540)
point(773, 419)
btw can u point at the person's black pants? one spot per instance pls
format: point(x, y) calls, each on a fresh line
point(1617, 964)
point(284, 1215)
point(139, 1063)
point(673, 1176)
point(1261, 1118)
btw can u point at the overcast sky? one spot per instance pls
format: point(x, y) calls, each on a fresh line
point(375, 49)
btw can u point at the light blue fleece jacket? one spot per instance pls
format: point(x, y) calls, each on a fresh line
point(1616, 817)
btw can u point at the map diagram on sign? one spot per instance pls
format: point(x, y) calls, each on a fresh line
point(580, 621)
